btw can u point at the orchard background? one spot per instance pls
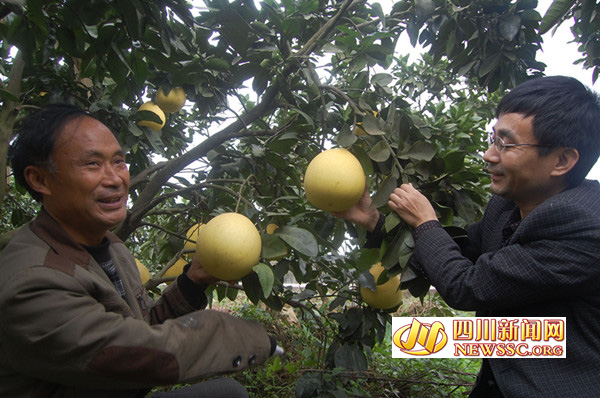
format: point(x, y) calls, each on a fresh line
point(270, 85)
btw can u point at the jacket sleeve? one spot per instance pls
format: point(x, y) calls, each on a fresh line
point(77, 341)
point(179, 298)
point(553, 254)
point(174, 302)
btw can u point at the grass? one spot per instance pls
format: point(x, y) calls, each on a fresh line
point(299, 370)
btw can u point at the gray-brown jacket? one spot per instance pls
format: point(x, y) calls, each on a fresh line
point(66, 332)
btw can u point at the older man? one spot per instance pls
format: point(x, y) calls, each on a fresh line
point(75, 320)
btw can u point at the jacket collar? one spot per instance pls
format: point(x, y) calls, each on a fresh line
point(63, 247)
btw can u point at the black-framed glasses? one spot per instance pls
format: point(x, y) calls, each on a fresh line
point(500, 145)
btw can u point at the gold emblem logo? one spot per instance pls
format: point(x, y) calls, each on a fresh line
point(421, 338)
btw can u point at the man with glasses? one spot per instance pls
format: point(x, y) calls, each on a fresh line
point(536, 251)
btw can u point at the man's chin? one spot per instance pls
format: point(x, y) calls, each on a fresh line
point(114, 219)
point(497, 189)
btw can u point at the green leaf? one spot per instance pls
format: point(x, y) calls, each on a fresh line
point(554, 14)
point(147, 115)
point(366, 279)
point(454, 161)
point(252, 287)
point(135, 130)
point(413, 29)
point(299, 239)
point(391, 221)
point(509, 27)
point(308, 385)
point(418, 286)
point(261, 79)
point(382, 79)
point(351, 357)
point(346, 137)
point(133, 16)
point(273, 247)
point(306, 116)
point(231, 293)
point(218, 64)
point(154, 140)
point(371, 125)
point(446, 214)
point(367, 258)
point(398, 248)
point(380, 152)
point(420, 150)
point(382, 195)
point(68, 42)
point(265, 277)
point(489, 64)
point(464, 205)
point(119, 53)
point(330, 48)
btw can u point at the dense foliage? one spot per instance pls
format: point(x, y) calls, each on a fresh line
point(270, 85)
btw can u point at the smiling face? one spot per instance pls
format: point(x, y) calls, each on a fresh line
point(520, 173)
point(86, 188)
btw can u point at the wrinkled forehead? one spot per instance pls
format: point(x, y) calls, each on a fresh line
point(84, 129)
point(85, 135)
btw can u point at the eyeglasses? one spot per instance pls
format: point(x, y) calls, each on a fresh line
point(500, 145)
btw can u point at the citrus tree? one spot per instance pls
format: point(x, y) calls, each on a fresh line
point(265, 88)
point(585, 28)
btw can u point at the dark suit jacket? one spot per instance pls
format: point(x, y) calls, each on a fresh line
point(549, 267)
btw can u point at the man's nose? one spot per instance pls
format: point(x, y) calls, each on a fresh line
point(112, 176)
point(491, 155)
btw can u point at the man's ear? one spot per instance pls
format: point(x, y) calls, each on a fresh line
point(566, 160)
point(36, 177)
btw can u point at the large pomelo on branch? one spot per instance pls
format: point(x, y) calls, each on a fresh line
point(144, 272)
point(386, 296)
point(158, 115)
point(175, 270)
point(334, 180)
point(191, 238)
point(171, 101)
point(228, 246)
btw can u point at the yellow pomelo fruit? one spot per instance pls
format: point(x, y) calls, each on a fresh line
point(175, 270)
point(228, 246)
point(192, 238)
point(386, 296)
point(144, 273)
point(152, 107)
point(334, 180)
point(172, 101)
point(358, 130)
point(271, 228)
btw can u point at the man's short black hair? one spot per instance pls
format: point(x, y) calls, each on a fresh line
point(35, 140)
point(565, 114)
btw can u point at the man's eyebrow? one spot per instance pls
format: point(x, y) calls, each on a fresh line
point(91, 153)
point(505, 133)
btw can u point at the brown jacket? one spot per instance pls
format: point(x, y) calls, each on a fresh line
point(66, 332)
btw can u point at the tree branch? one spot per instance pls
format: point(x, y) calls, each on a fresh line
point(237, 129)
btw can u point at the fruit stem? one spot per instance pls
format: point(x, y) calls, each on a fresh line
point(237, 205)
